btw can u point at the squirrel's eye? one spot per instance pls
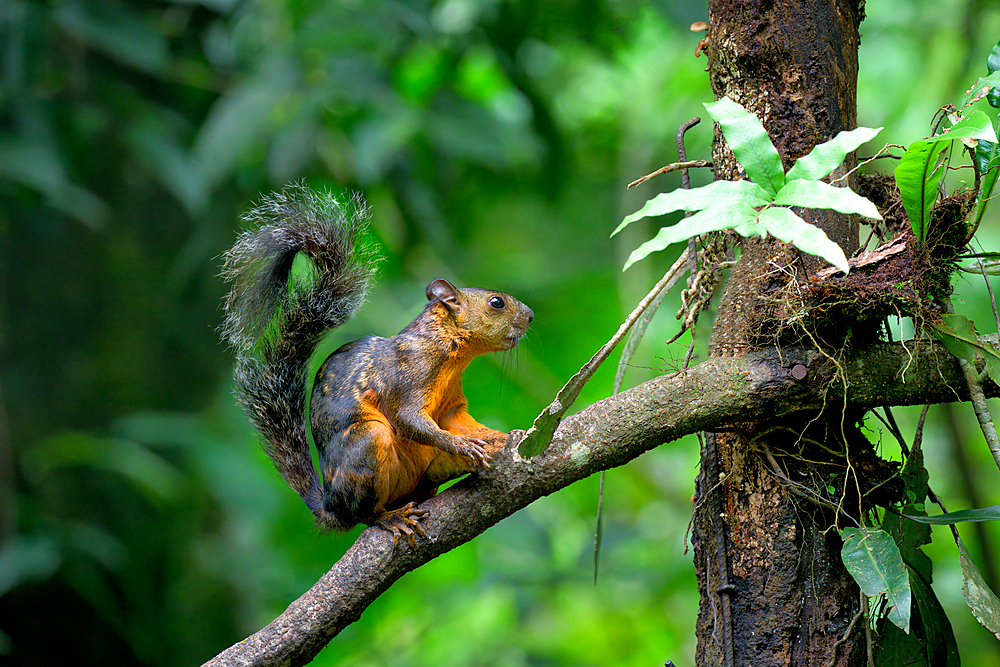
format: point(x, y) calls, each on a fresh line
point(496, 302)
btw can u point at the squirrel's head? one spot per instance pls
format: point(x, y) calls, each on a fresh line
point(489, 321)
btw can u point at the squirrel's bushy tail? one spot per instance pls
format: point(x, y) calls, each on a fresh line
point(275, 321)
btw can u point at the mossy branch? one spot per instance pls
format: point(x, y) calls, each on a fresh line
point(713, 395)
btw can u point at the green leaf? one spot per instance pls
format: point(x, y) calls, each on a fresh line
point(542, 431)
point(984, 87)
point(975, 125)
point(987, 155)
point(750, 144)
point(917, 180)
point(751, 227)
point(984, 603)
point(988, 163)
point(872, 558)
point(781, 223)
point(911, 537)
point(817, 194)
point(958, 334)
point(937, 639)
point(710, 220)
point(829, 155)
point(931, 640)
point(992, 65)
point(917, 175)
point(993, 60)
point(991, 513)
point(717, 193)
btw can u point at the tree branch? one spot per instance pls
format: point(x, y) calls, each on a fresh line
point(716, 394)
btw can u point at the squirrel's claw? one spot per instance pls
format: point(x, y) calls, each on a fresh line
point(475, 449)
point(404, 521)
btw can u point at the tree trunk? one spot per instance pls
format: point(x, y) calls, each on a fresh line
point(773, 588)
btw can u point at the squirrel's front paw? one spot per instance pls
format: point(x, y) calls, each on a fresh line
point(475, 449)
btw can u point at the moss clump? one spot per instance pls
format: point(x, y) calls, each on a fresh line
point(904, 277)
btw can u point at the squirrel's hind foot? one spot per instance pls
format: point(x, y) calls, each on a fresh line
point(404, 521)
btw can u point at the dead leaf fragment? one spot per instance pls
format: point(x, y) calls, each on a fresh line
point(895, 246)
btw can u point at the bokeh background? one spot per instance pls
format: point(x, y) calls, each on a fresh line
point(140, 524)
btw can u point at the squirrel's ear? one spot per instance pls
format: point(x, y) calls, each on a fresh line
point(443, 291)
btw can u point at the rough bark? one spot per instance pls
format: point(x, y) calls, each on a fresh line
point(773, 589)
point(717, 393)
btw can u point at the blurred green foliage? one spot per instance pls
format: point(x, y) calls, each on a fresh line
point(140, 523)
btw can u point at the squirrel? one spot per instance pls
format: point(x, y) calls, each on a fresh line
point(388, 416)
